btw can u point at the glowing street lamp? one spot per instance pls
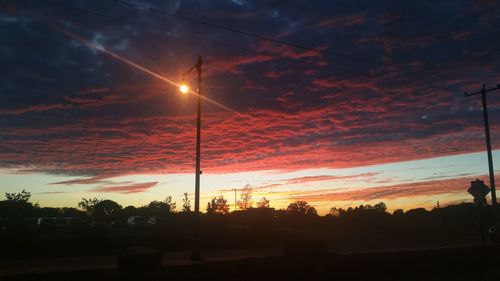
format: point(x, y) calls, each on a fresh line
point(184, 88)
point(195, 254)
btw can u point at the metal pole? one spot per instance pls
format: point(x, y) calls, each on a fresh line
point(195, 255)
point(488, 147)
point(234, 199)
point(491, 171)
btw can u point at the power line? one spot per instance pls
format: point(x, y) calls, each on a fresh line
point(194, 38)
point(255, 35)
point(262, 37)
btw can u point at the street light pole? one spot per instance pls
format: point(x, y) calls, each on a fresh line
point(195, 253)
point(235, 198)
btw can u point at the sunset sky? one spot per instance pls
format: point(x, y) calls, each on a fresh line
point(345, 105)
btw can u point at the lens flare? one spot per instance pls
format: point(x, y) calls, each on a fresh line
point(184, 88)
point(135, 65)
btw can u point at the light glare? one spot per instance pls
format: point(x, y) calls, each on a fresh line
point(184, 88)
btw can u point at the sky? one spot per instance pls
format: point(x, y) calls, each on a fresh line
point(333, 102)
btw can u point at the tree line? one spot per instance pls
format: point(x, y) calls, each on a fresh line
point(103, 225)
point(18, 205)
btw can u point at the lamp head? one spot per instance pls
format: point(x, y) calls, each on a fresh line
point(184, 88)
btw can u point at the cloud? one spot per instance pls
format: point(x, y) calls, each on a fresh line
point(233, 65)
point(408, 190)
point(52, 192)
point(341, 22)
point(34, 109)
point(278, 74)
point(100, 117)
point(461, 35)
point(126, 188)
point(308, 179)
point(263, 140)
point(91, 180)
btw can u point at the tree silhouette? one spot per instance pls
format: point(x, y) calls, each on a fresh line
point(158, 208)
point(398, 212)
point(335, 212)
point(186, 205)
point(129, 211)
point(172, 205)
point(246, 197)
point(23, 196)
point(88, 204)
point(263, 203)
point(17, 207)
point(218, 205)
point(380, 207)
point(106, 210)
point(301, 208)
point(70, 212)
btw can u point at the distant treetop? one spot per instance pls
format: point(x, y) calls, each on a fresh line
point(23, 196)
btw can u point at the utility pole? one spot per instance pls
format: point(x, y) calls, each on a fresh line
point(483, 92)
point(195, 253)
point(235, 198)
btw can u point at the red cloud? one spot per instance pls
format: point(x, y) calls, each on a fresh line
point(123, 122)
point(278, 74)
point(126, 189)
point(286, 51)
point(330, 137)
point(328, 178)
point(340, 122)
point(91, 180)
point(94, 90)
point(461, 35)
point(232, 64)
point(342, 21)
point(336, 22)
point(426, 188)
point(388, 18)
point(34, 108)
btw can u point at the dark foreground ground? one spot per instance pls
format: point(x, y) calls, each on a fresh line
point(462, 263)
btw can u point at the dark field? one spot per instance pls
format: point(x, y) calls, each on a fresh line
point(358, 244)
point(464, 263)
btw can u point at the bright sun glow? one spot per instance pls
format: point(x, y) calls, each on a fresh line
point(184, 88)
